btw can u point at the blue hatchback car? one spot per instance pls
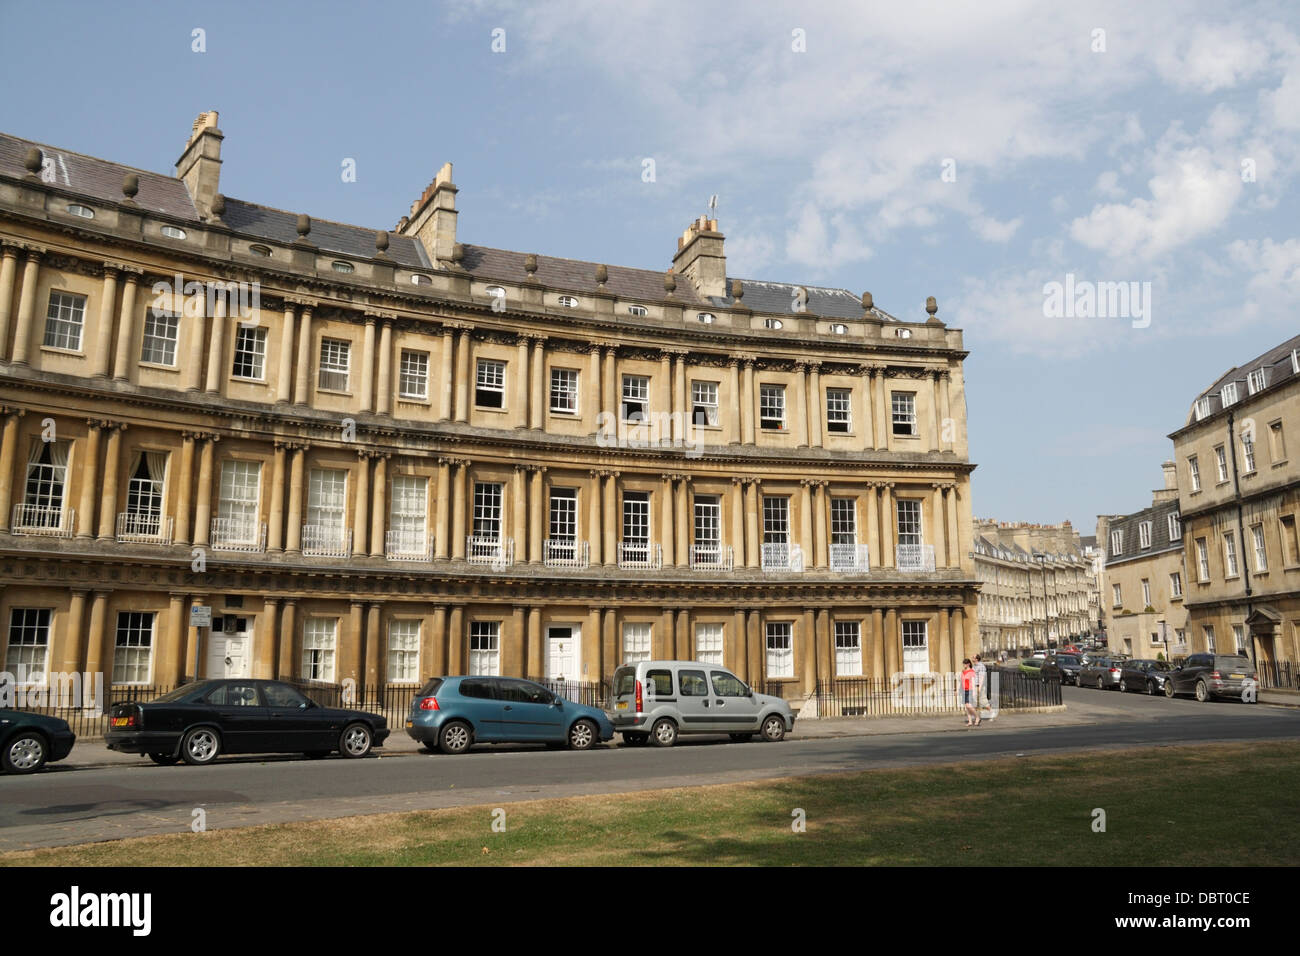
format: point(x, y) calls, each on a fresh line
point(454, 713)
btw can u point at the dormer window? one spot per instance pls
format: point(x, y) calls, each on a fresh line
point(263, 251)
point(418, 279)
point(903, 333)
point(344, 267)
point(706, 317)
point(1202, 408)
point(637, 310)
point(839, 329)
point(772, 324)
point(569, 301)
point(495, 291)
point(1256, 380)
point(85, 212)
point(1229, 394)
point(171, 232)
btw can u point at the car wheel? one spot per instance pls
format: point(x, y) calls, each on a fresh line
point(1169, 688)
point(455, 738)
point(1202, 691)
point(1123, 686)
point(1101, 684)
point(355, 741)
point(1151, 688)
point(773, 729)
point(201, 746)
point(664, 733)
point(164, 760)
point(25, 753)
point(583, 735)
point(742, 738)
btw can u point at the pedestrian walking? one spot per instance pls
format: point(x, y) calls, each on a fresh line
point(968, 693)
point(981, 683)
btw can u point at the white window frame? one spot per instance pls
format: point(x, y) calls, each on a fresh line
point(638, 641)
point(404, 637)
point(1239, 638)
point(1146, 592)
point(489, 380)
point(636, 392)
point(413, 375)
point(1117, 596)
point(408, 513)
point(1261, 548)
point(133, 646)
point(778, 643)
point(1194, 471)
point(1175, 522)
point(1175, 584)
point(564, 391)
point(1248, 454)
point(902, 408)
point(1144, 534)
point(327, 497)
point(335, 365)
point(28, 642)
point(233, 500)
point(1230, 568)
point(1221, 461)
point(250, 350)
point(1202, 559)
point(909, 515)
point(485, 648)
point(320, 642)
point(636, 517)
point(487, 510)
point(848, 649)
point(562, 515)
point(1202, 408)
point(709, 644)
point(161, 336)
point(1257, 380)
point(839, 411)
point(65, 321)
point(1116, 543)
point(704, 403)
point(1228, 394)
point(771, 407)
point(1208, 633)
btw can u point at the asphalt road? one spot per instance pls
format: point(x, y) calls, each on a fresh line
point(65, 805)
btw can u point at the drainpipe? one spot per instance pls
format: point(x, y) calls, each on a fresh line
point(1241, 528)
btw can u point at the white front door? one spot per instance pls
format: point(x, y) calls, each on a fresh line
point(230, 650)
point(563, 644)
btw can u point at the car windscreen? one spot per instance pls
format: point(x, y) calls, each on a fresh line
point(624, 681)
point(1066, 659)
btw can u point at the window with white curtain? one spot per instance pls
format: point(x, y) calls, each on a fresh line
point(780, 649)
point(327, 495)
point(27, 656)
point(485, 648)
point(47, 477)
point(144, 492)
point(133, 647)
point(158, 345)
point(636, 642)
point(319, 645)
point(64, 321)
point(708, 644)
point(408, 512)
point(404, 651)
point(848, 649)
point(237, 499)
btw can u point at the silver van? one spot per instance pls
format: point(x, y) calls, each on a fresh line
point(658, 700)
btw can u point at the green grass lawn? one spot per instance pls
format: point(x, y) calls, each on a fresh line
point(1034, 810)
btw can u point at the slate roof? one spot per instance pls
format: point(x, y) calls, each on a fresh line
point(264, 222)
point(1276, 361)
point(1158, 515)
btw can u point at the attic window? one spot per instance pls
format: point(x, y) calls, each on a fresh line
point(171, 232)
point(903, 333)
point(418, 279)
point(637, 310)
point(772, 323)
point(1228, 394)
point(342, 267)
point(85, 212)
point(569, 301)
point(263, 251)
point(839, 329)
point(706, 317)
point(1256, 380)
point(495, 291)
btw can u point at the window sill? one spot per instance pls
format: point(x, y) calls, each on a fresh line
point(332, 391)
point(490, 409)
point(248, 381)
point(413, 400)
point(160, 368)
point(913, 437)
point(80, 353)
point(1231, 577)
point(567, 413)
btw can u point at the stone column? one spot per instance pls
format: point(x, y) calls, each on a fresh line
point(438, 660)
point(441, 509)
point(8, 273)
point(537, 403)
point(520, 511)
point(216, 360)
point(813, 401)
point(954, 528)
point(679, 397)
point(349, 653)
point(663, 636)
point(667, 539)
point(959, 636)
point(185, 493)
point(934, 410)
point(361, 504)
point(870, 413)
point(275, 530)
point(293, 535)
point(104, 334)
point(89, 482)
point(613, 519)
point(609, 638)
point(456, 662)
point(536, 514)
point(99, 654)
point(26, 308)
point(732, 425)
point(892, 642)
point(126, 325)
point(368, 365)
point(458, 532)
point(193, 662)
point(682, 508)
point(935, 524)
point(374, 650)
point(820, 542)
point(514, 643)
point(756, 642)
point(736, 523)
point(268, 647)
point(806, 658)
point(880, 412)
point(384, 401)
point(874, 546)
point(752, 537)
point(379, 512)
point(595, 536)
point(806, 521)
point(888, 527)
point(661, 395)
point(445, 358)
point(519, 411)
point(592, 395)
point(825, 646)
point(284, 380)
point(287, 666)
point(535, 642)
point(112, 467)
point(797, 406)
point(195, 326)
point(747, 409)
point(302, 377)
point(941, 657)
point(945, 407)
point(734, 654)
point(463, 373)
point(684, 651)
point(878, 645)
point(70, 660)
point(610, 384)
point(592, 637)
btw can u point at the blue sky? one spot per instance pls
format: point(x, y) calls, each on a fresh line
point(1112, 156)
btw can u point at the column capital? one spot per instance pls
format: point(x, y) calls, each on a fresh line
point(34, 252)
point(290, 602)
point(934, 373)
point(609, 473)
point(369, 319)
point(590, 348)
point(537, 469)
point(875, 368)
point(9, 250)
point(14, 410)
point(271, 600)
point(611, 350)
point(131, 273)
point(455, 462)
point(945, 375)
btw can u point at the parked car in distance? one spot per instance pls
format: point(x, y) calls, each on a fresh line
point(455, 713)
point(1062, 668)
point(1144, 675)
point(203, 719)
point(657, 701)
point(29, 741)
point(1213, 675)
point(1099, 672)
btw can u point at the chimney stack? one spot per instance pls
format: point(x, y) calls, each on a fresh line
point(200, 163)
point(433, 217)
point(701, 259)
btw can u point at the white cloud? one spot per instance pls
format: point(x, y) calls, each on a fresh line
point(991, 230)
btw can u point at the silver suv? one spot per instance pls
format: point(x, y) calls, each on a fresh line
point(658, 700)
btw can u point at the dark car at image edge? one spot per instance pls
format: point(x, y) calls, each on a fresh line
point(29, 741)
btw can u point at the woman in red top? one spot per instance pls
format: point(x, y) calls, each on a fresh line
point(968, 693)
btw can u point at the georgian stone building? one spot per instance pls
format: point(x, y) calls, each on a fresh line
point(1239, 491)
point(1145, 582)
point(380, 456)
point(1037, 585)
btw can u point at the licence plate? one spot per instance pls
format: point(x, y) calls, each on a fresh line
point(1236, 676)
point(121, 721)
point(410, 723)
point(621, 705)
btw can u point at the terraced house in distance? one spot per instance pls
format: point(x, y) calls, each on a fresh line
point(403, 455)
point(1239, 488)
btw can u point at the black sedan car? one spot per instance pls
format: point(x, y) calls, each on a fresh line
point(1144, 676)
point(29, 741)
point(1062, 668)
point(199, 721)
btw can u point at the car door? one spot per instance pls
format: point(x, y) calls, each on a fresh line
point(693, 702)
point(733, 703)
point(296, 724)
point(481, 706)
point(236, 706)
point(529, 711)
